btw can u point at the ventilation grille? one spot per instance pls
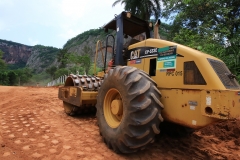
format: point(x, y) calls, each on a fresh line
point(222, 71)
point(192, 74)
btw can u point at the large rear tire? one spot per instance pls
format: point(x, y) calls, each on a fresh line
point(128, 109)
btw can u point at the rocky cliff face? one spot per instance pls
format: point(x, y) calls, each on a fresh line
point(42, 57)
point(38, 57)
point(89, 47)
point(85, 43)
point(15, 53)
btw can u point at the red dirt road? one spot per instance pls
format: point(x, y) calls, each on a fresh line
point(34, 126)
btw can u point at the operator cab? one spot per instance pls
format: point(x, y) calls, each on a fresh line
point(126, 25)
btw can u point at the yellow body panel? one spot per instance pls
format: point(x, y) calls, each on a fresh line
point(213, 82)
point(198, 108)
point(184, 107)
point(221, 104)
point(190, 105)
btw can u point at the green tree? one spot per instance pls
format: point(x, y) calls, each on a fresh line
point(23, 75)
point(91, 70)
point(164, 31)
point(199, 42)
point(218, 18)
point(2, 62)
point(15, 77)
point(211, 26)
point(12, 77)
point(141, 8)
point(51, 71)
point(4, 80)
point(61, 72)
point(82, 61)
point(62, 57)
point(85, 59)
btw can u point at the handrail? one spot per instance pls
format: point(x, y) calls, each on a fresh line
point(110, 35)
point(96, 55)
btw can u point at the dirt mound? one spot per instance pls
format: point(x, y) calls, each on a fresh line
point(224, 130)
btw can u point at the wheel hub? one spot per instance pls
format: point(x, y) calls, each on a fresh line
point(116, 107)
point(113, 108)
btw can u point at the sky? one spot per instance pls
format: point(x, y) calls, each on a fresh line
point(52, 22)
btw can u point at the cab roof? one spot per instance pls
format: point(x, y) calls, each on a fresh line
point(132, 26)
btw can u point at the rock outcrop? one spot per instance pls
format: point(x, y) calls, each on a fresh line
point(42, 57)
point(15, 53)
point(37, 57)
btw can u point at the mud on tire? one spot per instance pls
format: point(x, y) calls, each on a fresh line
point(141, 110)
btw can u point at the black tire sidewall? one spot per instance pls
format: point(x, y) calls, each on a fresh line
point(108, 84)
point(141, 109)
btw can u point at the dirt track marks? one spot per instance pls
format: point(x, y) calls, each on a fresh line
point(34, 126)
point(28, 132)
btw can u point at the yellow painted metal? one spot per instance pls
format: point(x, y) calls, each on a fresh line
point(147, 64)
point(185, 104)
point(100, 74)
point(116, 107)
point(221, 104)
point(184, 107)
point(76, 96)
point(112, 98)
point(89, 98)
point(73, 91)
point(188, 54)
point(198, 108)
point(89, 95)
